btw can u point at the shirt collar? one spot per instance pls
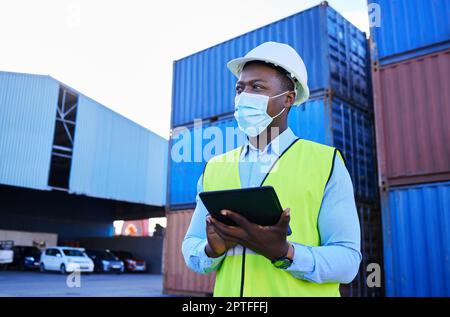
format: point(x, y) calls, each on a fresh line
point(277, 146)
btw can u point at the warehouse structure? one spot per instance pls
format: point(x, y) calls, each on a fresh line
point(71, 166)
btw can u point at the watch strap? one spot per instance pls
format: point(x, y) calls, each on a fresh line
point(285, 261)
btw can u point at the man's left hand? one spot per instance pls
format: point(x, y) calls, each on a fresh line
point(269, 241)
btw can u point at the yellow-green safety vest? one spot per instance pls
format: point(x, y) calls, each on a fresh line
point(299, 177)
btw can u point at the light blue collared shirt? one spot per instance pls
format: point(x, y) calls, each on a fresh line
point(338, 257)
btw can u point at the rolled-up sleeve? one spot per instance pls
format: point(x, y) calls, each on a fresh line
point(338, 257)
point(195, 240)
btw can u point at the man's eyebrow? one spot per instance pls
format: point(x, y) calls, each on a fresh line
point(240, 82)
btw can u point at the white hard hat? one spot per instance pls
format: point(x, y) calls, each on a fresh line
point(281, 55)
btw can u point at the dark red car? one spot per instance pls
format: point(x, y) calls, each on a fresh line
point(132, 263)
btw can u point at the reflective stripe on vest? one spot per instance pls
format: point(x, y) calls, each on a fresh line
point(299, 177)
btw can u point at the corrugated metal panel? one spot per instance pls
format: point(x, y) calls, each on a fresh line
point(333, 49)
point(198, 146)
point(27, 121)
point(334, 122)
point(371, 249)
point(411, 112)
point(410, 28)
point(416, 233)
point(115, 158)
point(178, 278)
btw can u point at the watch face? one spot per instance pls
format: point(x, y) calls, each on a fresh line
point(282, 263)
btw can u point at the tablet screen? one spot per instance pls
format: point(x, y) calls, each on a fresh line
point(259, 205)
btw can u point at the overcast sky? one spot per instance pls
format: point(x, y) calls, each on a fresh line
point(120, 53)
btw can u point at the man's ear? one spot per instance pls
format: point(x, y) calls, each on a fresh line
point(290, 99)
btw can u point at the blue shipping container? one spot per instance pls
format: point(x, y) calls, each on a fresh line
point(27, 123)
point(410, 28)
point(324, 120)
point(191, 148)
point(332, 121)
point(416, 238)
point(334, 51)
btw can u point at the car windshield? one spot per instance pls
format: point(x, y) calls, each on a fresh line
point(72, 252)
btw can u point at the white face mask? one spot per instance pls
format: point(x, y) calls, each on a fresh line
point(250, 111)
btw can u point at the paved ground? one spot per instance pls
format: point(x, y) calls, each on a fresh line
point(14, 283)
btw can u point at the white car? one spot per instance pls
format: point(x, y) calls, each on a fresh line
point(65, 259)
point(6, 252)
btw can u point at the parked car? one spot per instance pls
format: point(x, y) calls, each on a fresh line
point(65, 259)
point(105, 261)
point(26, 257)
point(132, 263)
point(6, 252)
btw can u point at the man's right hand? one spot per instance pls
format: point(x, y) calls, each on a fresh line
point(216, 245)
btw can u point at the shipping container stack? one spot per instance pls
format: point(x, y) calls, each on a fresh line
point(339, 113)
point(411, 81)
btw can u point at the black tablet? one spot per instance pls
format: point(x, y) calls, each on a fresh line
point(259, 205)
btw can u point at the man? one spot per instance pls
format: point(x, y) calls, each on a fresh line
point(310, 179)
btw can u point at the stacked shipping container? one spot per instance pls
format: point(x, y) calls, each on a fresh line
point(338, 113)
point(416, 223)
point(333, 49)
point(178, 279)
point(411, 76)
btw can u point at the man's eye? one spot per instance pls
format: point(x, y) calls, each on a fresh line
point(257, 87)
